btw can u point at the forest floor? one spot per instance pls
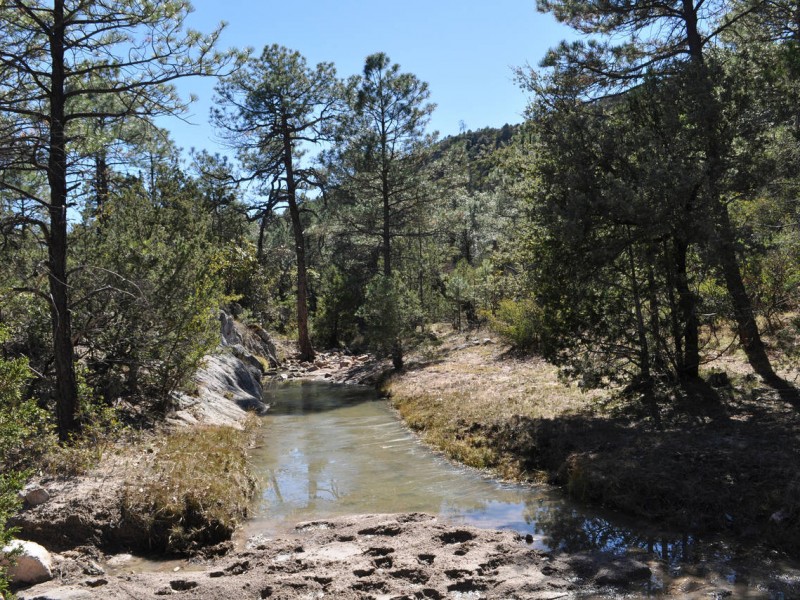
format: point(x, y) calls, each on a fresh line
point(712, 459)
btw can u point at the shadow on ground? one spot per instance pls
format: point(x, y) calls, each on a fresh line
point(708, 463)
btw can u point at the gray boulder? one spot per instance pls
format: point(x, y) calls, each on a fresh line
point(228, 332)
point(34, 496)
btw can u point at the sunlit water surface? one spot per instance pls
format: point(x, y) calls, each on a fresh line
point(328, 450)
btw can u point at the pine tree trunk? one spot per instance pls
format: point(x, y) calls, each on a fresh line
point(63, 349)
point(386, 237)
point(724, 242)
point(100, 181)
point(689, 362)
point(746, 325)
point(303, 338)
point(397, 356)
point(641, 332)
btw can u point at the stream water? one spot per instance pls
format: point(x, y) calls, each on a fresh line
point(328, 450)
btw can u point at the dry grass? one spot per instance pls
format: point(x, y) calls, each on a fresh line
point(194, 491)
point(459, 400)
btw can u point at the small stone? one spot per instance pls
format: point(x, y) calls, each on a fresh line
point(35, 496)
point(119, 559)
point(779, 516)
point(92, 568)
point(93, 583)
point(529, 539)
point(182, 585)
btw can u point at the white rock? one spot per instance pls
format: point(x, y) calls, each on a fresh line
point(33, 564)
point(119, 560)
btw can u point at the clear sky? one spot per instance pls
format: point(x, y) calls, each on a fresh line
point(465, 50)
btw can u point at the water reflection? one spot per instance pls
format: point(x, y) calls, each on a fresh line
point(569, 530)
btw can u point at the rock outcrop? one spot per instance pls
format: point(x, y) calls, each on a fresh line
point(228, 385)
point(227, 389)
point(247, 339)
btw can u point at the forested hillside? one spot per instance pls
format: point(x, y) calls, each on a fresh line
point(642, 222)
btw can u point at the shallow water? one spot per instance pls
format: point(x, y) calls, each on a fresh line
point(328, 450)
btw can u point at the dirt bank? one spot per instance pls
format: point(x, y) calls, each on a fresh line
point(361, 557)
point(721, 459)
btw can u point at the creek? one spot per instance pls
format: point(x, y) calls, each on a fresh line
point(328, 450)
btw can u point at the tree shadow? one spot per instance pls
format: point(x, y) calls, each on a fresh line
point(731, 468)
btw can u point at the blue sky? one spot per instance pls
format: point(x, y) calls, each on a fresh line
point(465, 50)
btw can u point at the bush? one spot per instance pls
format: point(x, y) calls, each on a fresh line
point(21, 426)
point(153, 282)
point(10, 484)
point(520, 323)
point(391, 313)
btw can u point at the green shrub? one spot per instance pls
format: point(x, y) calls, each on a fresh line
point(10, 484)
point(22, 425)
point(520, 323)
point(153, 289)
point(391, 313)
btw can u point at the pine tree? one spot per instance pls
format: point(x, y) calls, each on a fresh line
point(272, 111)
point(668, 40)
point(54, 56)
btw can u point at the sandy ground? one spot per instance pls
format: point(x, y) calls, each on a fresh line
point(358, 557)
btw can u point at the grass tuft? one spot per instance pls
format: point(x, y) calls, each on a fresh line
point(194, 491)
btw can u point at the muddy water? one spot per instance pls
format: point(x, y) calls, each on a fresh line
point(329, 450)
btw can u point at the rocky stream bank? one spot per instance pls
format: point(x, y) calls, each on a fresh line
point(79, 532)
point(83, 521)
